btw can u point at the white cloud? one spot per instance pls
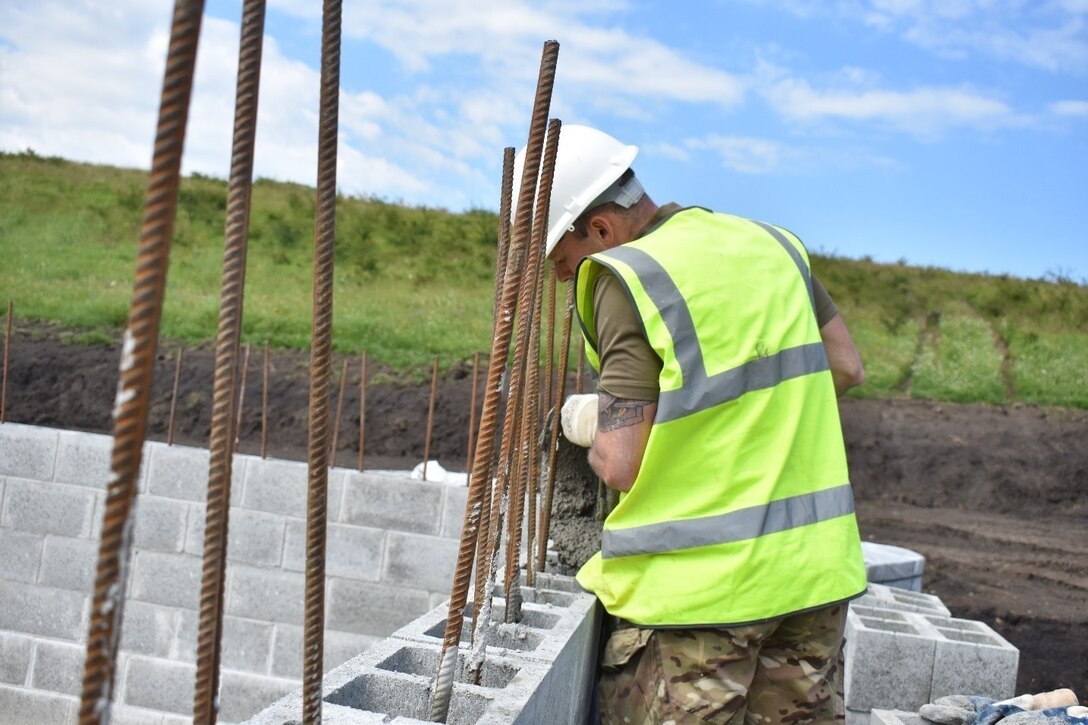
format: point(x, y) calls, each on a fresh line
point(1075, 109)
point(740, 153)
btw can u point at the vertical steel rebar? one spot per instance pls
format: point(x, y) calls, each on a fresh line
point(448, 658)
point(264, 404)
point(362, 410)
point(241, 390)
point(339, 410)
point(471, 410)
point(553, 439)
point(136, 370)
point(430, 417)
point(225, 426)
point(174, 399)
point(7, 353)
point(321, 348)
point(579, 380)
point(549, 369)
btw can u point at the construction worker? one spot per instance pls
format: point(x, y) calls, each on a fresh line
point(733, 551)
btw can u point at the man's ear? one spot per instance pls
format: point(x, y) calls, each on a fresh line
point(600, 228)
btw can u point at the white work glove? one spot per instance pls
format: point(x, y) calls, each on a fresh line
point(579, 417)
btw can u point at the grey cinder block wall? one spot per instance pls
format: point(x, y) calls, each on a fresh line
point(392, 543)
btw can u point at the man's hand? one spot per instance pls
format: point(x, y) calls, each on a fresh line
point(579, 417)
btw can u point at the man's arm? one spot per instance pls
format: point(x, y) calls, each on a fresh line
point(842, 354)
point(623, 427)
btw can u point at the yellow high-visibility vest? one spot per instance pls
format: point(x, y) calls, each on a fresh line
point(742, 509)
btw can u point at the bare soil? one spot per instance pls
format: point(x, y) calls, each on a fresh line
point(995, 498)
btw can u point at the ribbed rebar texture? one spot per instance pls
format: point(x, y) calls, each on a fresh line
point(138, 363)
point(472, 408)
point(430, 417)
point(504, 315)
point(579, 380)
point(553, 438)
point(224, 421)
point(320, 353)
point(174, 399)
point(7, 354)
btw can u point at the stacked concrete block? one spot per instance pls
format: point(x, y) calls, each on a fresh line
point(893, 566)
point(537, 670)
point(390, 551)
point(899, 656)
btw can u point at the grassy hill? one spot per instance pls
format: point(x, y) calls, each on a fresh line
point(415, 282)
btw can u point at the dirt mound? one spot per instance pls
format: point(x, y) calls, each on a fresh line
point(994, 497)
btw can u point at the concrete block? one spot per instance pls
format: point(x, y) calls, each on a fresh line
point(420, 562)
point(58, 667)
point(970, 657)
point(178, 472)
point(277, 487)
point(69, 563)
point(27, 451)
point(83, 459)
point(170, 579)
point(15, 654)
point(893, 566)
point(160, 523)
point(20, 554)
point(243, 695)
point(896, 717)
point(889, 662)
point(246, 643)
point(374, 609)
point(47, 508)
point(159, 685)
point(886, 597)
point(275, 596)
point(128, 715)
point(148, 629)
point(453, 511)
point(352, 552)
point(42, 610)
point(18, 705)
point(392, 502)
point(252, 538)
point(339, 647)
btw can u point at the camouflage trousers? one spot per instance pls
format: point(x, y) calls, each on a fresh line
point(785, 671)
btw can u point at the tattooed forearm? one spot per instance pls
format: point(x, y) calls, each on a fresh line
point(614, 413)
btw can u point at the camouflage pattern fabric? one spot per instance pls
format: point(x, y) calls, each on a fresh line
point(785, 671)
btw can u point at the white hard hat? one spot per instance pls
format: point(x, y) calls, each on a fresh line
point(588, 162)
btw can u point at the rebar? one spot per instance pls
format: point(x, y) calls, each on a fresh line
point(241, 394)
point(7, 352)
point(471, 410)
point(448, 658)
point(264, 404)
point(430, 417)
point(553, 440)
point(578, 380)
point(137, 366)
point(549, 370)
point(339, 410)
point(321, 349)
point(173, 400)
point(225, 426)
point(362, 410)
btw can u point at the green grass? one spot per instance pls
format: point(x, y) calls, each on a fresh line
point(411, 283)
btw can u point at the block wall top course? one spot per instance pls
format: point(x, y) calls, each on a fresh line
point(28, 451)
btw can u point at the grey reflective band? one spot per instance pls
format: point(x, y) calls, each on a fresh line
point(749, 523)
point(794, 254)
point(699, 390)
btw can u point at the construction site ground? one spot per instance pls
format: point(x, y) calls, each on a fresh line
point(995, 498)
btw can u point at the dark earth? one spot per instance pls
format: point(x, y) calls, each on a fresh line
point(995, 498)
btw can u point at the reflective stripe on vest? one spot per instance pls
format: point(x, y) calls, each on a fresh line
point(780, 515)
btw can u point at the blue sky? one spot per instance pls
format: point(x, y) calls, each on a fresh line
point(951, 133)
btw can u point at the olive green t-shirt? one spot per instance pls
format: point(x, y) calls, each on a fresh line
point(629, 366)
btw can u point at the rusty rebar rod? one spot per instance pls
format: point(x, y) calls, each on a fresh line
point(136, 370)
point(225, 426)
point(7, 354)
point(339, 411)
point(362, 410)
point(527, 367)
point(264, 404)
point(471, 409)
point(504, 315)
point(430, 417)
point(241, 393)
point(321, 349)
point(174, 399)
point(553, 439)
point(580, 379)
point(549, 370)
